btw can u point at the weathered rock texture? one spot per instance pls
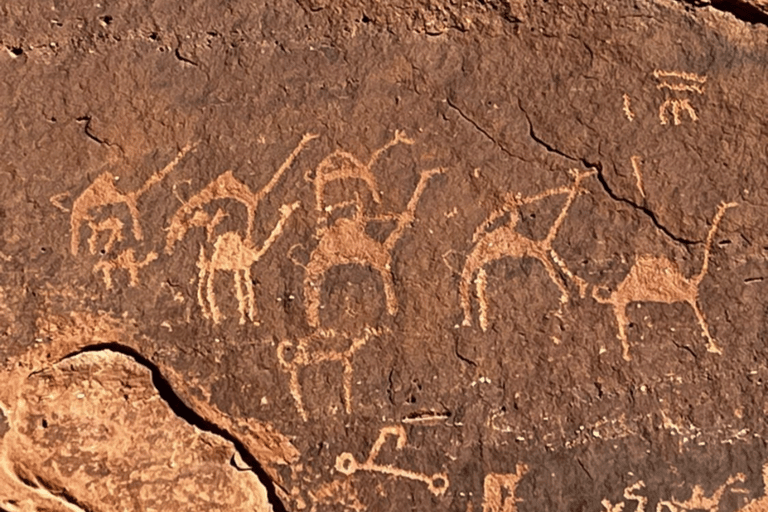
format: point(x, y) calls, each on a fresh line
point(327, 255)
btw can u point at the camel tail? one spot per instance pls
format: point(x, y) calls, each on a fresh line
point(721, 209)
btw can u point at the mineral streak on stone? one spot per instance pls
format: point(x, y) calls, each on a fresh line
point(323, 255)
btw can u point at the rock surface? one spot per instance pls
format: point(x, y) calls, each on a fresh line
point(324, 255)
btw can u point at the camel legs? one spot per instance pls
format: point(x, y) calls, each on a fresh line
point(389, 289)
point(249, 296)
point(211, 296)
point(313, 282)
point(239, 293)
point(481, 284)
point(711, 345)
point(620, 310)
point(553, 275)
point(466, 278)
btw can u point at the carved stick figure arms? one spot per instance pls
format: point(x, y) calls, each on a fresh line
point(506, 241)
point(346, 242)
point(657, 279)
point(346, 463)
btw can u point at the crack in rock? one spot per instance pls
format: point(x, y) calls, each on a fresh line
point(598, 166)
point(743, 10)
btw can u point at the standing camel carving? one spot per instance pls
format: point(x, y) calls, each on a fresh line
point(657, 279)
point(103, 192)
point(225, 186)
point(506, 241)
point(346, 242)
point(233, 253)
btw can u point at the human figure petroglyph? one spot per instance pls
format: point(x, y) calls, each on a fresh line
point(679, 82)
point(305, 355)
point(505, 241)
point(346, 463)
point(657, 279)
point(499, 490)
point(346, 242)
point(699, 500)
point(342, 165)
point(103, 192)
point(127, 261)
point(234, 254)
point(225, 186)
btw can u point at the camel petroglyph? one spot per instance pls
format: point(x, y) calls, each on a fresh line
point(346, 242)
point(505, 241)
point(305, 355)
point(127, 261)
point(657, 279)
point(103, 192)
point(233, 253)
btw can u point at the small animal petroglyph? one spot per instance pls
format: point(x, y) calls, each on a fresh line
point(304, 355)
point(341, 165)
point(700, 501)
point(499, 490)
point(677, 81)
point(233, 253)
point(346, 242)
point(226, 186)
point(505, 241)
point(629, 495)
point(103, 192)
point(346, 463)
point(126, 260)
point(657, 279)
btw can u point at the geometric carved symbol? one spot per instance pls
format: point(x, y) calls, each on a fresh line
point(678, 82)
point(495, 487)
point(642, 501)
point(505, 241)
point(346, 463)
point(698, 501)
point(346, 242)
point(305, 356)
point(657, 279)
point(232, 253)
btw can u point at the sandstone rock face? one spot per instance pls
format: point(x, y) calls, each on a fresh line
point(324, 255)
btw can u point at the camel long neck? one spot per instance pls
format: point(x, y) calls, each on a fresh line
point(708, 243)
point(561, 217)
point(405, 218)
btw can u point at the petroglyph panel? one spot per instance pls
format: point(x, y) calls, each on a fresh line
point(321, 255)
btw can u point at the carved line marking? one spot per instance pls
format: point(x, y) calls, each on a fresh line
point(304, 357)
point(628, 108)
point(678, 106)
point(636, 162)
point(346, 463)
point(657, 279)
point(346, 242)
point(505, 241)
point(692, 77)
point(698, 500)
point(642, 501)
